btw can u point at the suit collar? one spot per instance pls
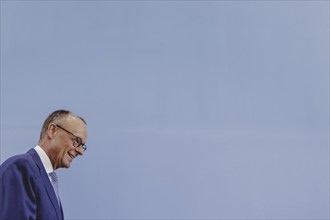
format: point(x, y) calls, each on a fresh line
point(46, 181)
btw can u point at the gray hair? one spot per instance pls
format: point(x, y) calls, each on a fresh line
point(56, 116)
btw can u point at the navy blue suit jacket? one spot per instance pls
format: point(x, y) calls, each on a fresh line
point(26, 191)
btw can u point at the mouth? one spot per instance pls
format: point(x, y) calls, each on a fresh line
point(72, 156)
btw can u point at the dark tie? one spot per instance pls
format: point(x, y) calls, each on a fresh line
point(54, 182)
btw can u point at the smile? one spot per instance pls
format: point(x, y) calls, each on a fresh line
point(72, 157)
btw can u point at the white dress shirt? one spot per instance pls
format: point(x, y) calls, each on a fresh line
point(45, 160)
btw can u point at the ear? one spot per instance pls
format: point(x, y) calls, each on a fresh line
point(52, 130)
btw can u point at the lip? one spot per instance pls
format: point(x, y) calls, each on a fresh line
point(72, 156)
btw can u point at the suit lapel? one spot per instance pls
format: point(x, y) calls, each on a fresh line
point(47, 183)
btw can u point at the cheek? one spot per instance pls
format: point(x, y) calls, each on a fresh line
point(66, 148)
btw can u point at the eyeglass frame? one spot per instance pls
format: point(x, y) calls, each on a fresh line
point(76, 139)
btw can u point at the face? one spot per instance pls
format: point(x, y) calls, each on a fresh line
point(63, 150)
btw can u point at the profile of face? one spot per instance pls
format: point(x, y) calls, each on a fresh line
point(68, 141)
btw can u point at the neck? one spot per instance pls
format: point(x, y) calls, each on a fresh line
point(48, 150)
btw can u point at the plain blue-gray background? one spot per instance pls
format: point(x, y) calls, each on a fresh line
point(195, 109)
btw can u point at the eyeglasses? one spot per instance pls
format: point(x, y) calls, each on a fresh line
point(76, 141)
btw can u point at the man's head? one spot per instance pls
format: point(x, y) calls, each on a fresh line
point(63, 137)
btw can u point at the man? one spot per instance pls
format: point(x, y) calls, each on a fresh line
point(28, 183)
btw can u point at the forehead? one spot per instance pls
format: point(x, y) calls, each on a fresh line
point(76, 126)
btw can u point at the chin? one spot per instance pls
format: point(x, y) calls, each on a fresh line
point(66, 165)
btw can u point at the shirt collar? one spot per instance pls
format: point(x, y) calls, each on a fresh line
point(44, 159)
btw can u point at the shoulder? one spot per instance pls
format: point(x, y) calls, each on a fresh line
point(20, 159)
point(22, 163)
